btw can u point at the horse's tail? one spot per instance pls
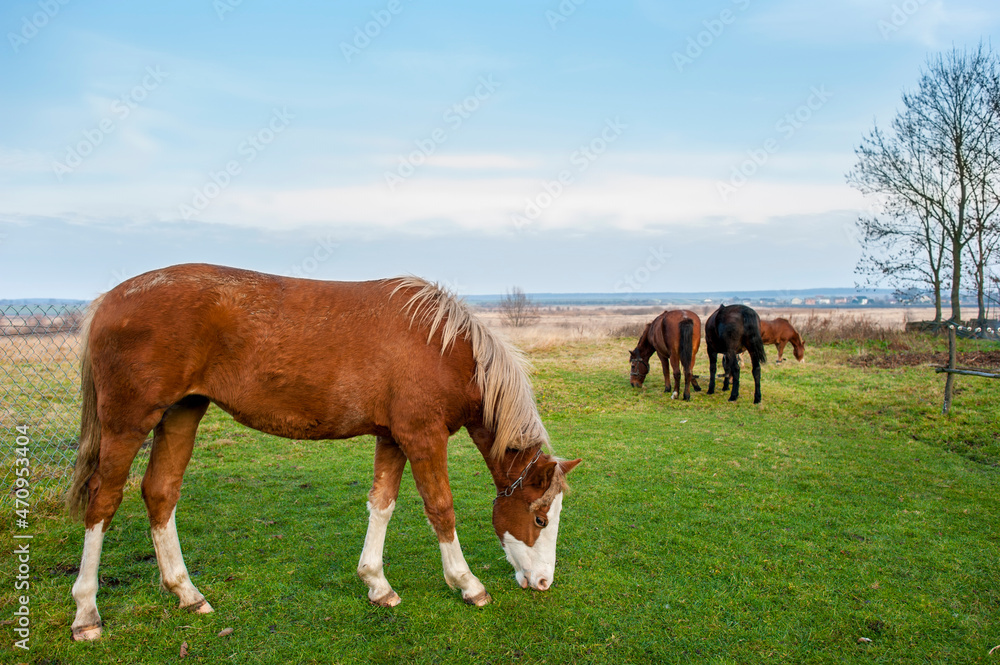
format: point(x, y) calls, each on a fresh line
point(89, 447)
point(687, 341)
point(751, 331)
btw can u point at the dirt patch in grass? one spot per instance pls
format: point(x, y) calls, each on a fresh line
point(978, 359)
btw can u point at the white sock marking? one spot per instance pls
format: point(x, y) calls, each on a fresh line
point(173, 573)
point(370, 566)
point(85, 587)
point(457, 572)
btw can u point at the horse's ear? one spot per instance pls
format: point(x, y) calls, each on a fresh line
point(541, 475)
point(568, 466)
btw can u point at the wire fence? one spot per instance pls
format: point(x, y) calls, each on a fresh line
point(40, 389)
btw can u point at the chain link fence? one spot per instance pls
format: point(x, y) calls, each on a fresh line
point(40, 390)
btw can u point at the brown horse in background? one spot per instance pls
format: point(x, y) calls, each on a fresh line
point(399, 359)
point(675, 336)
point(779, 332)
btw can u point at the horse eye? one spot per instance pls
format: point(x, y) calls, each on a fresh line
point(541, 522)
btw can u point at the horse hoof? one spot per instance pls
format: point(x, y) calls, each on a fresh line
point(87, 633)
point(201, 607)
point(390, 599)
point(481, 600)
point(673, 395)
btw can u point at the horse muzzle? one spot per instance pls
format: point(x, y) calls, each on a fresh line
point(535, 565)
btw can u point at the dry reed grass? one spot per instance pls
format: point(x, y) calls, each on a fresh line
point(567, 325)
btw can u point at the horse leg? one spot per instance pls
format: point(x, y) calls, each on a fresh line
point(781, 349)
point(734, 367)
point(173, 441)
point(712, 368)
point(429, 464)
point(665, 363)
point(675, 364)
point(389, 464)
point(688, 379)
point(117, 450)
point(756, 381)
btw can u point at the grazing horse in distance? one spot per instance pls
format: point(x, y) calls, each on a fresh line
point(675, 336)
point(400, 359)
point(728, 331)
point(779, 332)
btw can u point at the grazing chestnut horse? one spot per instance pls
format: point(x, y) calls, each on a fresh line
point(675, 336)
point(779, 332)
point(397, 358)
point(728, 331)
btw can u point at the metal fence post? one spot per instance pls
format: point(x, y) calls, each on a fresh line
point(952, 354)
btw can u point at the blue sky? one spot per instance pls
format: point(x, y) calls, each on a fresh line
point(558, 146)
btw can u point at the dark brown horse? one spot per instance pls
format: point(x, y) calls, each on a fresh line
point(399, 358)
point(675, 336)
point(729, 330)
point(780, 332)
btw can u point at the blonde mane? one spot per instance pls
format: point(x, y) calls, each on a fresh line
point(509, 409)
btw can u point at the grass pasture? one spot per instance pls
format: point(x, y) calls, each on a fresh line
point(843, 507)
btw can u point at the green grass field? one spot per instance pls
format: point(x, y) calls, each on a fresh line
point(844, 507)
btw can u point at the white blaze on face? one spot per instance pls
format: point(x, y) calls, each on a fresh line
point(535, 566)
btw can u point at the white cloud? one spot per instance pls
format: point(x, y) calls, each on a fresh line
point(930, 23)
point(19, 162)
point(624, 200)
point(483, 161)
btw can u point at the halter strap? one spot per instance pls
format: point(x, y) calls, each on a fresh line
point(639, 360)
point(520, 479)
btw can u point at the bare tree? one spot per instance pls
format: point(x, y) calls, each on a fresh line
point(908, 252)
point(934, 175)
point(984, 243)
point(516, 308)
point(905, 241)
point(994, 279)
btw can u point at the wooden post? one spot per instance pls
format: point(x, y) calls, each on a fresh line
point(952, 353)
